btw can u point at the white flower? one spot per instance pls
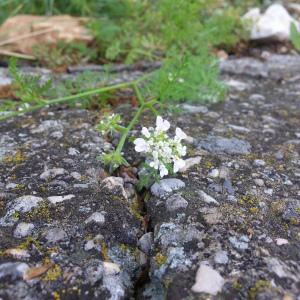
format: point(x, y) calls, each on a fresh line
point(180, 135)
point(162, 152)
point(141, 145)
point(162, 125)
point(163, 171)
point(178, 164)
point(146, 132)
point(180, 80)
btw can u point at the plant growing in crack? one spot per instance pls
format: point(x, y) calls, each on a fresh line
point(181, 78)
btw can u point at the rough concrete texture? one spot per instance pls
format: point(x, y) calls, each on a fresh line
point(229, 230)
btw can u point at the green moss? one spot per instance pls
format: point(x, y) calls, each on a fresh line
point(259, 286)
point(54, 273)
point(30, 241)
point(41, 212)
point(135, 209)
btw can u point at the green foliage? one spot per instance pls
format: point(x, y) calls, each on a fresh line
point(187, 78)
point(30, 89)
point(295, 37)
point(63, 54)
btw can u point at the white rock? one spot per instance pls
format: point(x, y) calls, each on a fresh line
point(221, 257)
point(52, 173)
point(281, 241)
point(206, 198)
point(208, 281)
point(273, 24)
point(259, 182)
point(23, 229)
point(111, 268)
point(57, 199)
point(73, 151)
point(214, 173)
point(22, 204)
point(76, 175)
point(176, 202)
point(190, 162)
point(96, 217)
point(166, 186)
point(112, 183)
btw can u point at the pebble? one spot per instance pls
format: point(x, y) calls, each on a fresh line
point(73, 151)
point(97, 217)
point(190, 162)
point(259, 163)
point(111, 268)
point(281, 241)
point(206, 198)
point(55, 235)
point(52, 173)
point(112, 183)
point(194, 109)
point(13, 270)
point(219, 145)
point(23, 229)
point(176, 202)
point(259, 182)
point(208, 281)
point(58, 199)
point(239, 243)
point(166, 186)
point(94, 271)
point(145, 243)
point(214, 173)
point(76, 175)
point(221, 257)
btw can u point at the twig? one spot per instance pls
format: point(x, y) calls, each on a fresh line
point(25, 36)
point(15, 54)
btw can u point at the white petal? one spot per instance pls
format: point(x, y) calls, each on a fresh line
point(162, 125)
point(180, 134)
point(163, 171)
point(178, 164)
point(145, 132)
point(141, 145)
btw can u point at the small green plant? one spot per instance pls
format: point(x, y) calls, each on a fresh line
point(186, 78)
point(295, 37)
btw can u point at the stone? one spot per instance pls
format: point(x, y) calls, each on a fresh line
point(214, 173)
point(208, 281)
point(280, 241)
point(221, 257)
point(213, 217)
point(176, 202)
point(13, 270)
point(166, 186)
point(94, 271)
point(240, 243)
point(189, 163)
point(52, 173)
point(145, 242)
point(111, 268)
point(259, 163)
point(195, 109)
point(114, 183)
point(23, 229)
point(76, 175)
point(279, 268)
point(55, 235)
point(22, 204)
point(97, 217)
point(219, 145)
point(259, 182)
point(291, 212)
point(274, 24)
point(240, 129)
point(58, 199)
point(206, 198)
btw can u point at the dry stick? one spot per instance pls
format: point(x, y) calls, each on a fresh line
point(25, 36)
point(15, 54)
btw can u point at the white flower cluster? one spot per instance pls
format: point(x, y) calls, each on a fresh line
point(161, 150)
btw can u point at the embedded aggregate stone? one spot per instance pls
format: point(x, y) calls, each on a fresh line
point(166, 186)
point(217, 144)
point(23, 229)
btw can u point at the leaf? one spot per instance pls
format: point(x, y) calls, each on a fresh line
point(295, 36)
point(37, 271)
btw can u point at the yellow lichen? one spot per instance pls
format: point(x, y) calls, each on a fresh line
point(41, 212)
point(160, 259)
point(53, 273)
point(259, 286)
point(135, 209)
point(104, 252)
point(56, 296)
point(18, 158)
